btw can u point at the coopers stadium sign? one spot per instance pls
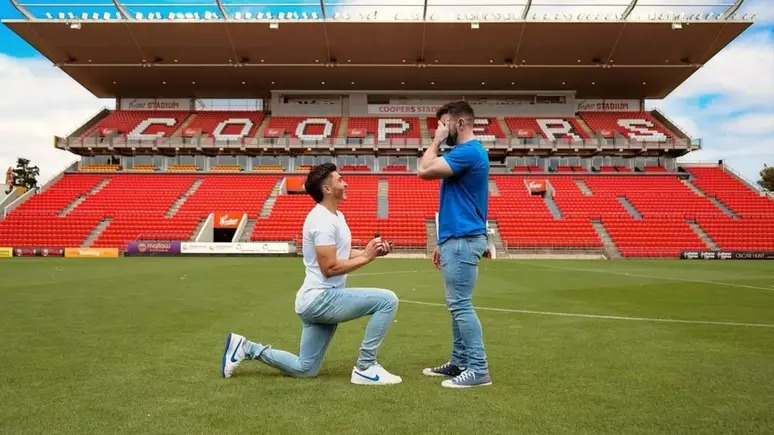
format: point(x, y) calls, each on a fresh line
point(607, 105)
point(408, 109)
point(156, 104)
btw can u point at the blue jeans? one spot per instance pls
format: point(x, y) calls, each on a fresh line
point(320, 319)
point(459, 267)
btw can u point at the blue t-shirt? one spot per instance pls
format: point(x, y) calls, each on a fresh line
point(464, 196)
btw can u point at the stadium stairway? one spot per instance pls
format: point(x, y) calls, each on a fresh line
point(96, 232)
point(175, 207)
point(500, 250)
point(343, 126)
point(607, 242)
point(268, 205)
point(630, 208)
point(383, 200)
point(504, 127)
point(432, 236)
point(584, 126)
point(702, 235)
point(197, 230)
point(583, 187)
point(711, 199)
point(179, 130)
point(553, 207)
point(249, 227)
point(493, 190)
point(262, 126)
point(424, 129)
point(73, 205)
point(693, 187)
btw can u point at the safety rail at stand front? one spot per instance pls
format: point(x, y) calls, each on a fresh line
point(341, 144)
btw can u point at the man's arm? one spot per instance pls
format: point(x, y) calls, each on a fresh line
point(332, 266)
point(354, 253)
point(432, 167)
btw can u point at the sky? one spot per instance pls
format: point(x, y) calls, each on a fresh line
point(728, 103)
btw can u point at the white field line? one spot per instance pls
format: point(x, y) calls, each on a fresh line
point(698, 281)
point(604, 317)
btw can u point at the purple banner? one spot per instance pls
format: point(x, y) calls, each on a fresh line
point(153, 248)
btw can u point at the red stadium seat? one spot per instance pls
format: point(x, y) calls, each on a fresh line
point(556, 128)
point(638, 126)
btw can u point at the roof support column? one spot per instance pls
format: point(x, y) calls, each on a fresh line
point(222, 9)
point(732, 9)
point(22, 10)
point(122, 10)
point(629, 9)
point(526, 10)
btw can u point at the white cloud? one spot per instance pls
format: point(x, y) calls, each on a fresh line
point(753, 124)
point(40, 101)
point(729, 104)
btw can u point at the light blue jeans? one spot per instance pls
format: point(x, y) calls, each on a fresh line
point(320, 320)
point(459, 267)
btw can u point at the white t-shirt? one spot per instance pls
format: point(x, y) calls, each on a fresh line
point(321, 228)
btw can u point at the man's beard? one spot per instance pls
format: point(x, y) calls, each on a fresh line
point(451, 139)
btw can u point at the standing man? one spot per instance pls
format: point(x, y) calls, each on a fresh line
point(323, 301)
point(464, 196)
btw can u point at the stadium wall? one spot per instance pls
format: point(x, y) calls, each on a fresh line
point(291, 103)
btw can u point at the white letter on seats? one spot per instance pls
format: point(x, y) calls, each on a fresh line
point(640, 130)
point(138, 131)
point(480, 132)
point(399, 126)
point(557, 129)
point(246, 126)
point(327, 129)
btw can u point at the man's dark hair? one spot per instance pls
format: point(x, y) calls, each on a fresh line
point(315, 179)
point(456, 109)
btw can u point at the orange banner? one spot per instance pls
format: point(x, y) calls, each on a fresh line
point(91, 252)
point(295, 184)
point(228, 220)
point(6, 252)
point(536, 186)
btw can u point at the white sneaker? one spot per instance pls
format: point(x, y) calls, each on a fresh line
point(375, 375)
point(233, 354)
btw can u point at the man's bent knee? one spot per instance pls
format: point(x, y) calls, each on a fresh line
point(390, 299)
point(307, 370)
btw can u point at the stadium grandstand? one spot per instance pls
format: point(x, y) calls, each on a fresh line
point(221, 110)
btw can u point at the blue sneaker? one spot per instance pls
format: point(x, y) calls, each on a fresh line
point(447, 369)
point(468, 379)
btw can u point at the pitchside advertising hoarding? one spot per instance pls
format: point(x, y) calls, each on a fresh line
point(172, 248)
point(153, 248)
point(727, 255)
point(48, 251)
point(253, 248)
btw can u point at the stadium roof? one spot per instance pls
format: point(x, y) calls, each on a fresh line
point(615, 57)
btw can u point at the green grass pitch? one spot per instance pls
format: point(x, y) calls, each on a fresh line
point(133, 345)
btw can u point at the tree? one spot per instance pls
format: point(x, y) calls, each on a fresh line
point(767, 178)
point(25, 175)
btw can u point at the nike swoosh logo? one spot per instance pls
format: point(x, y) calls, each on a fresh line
point(233, 360)
point(375, 378)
